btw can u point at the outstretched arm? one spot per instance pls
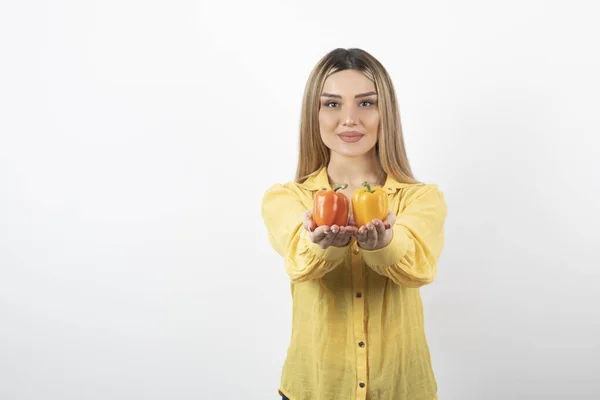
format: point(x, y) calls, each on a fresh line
point(309, 252)
point(410, 258)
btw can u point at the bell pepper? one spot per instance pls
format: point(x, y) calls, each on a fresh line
point(331, 207)
point(369, 203)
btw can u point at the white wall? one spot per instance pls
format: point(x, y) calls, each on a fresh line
point(137, 139)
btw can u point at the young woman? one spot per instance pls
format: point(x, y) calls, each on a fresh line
point(369, 343)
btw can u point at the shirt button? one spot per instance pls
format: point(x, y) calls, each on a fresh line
point(362, 384)
point(361, 343)
point(355, 250)
point(358, 294)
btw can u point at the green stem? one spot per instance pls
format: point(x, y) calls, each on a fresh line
point(366, 184)
point(341, 186)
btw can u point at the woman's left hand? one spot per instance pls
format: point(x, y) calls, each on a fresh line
point(376, 234)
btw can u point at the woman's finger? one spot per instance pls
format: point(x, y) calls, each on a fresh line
point(351, 230)
point(340, 239)
point(347, 237)
point(361, 234)
point(371, 235)
point(379, 227)
point(329, 238)
point(310, 224)
point(389, 220)
point(306, 220)
point(319, 233)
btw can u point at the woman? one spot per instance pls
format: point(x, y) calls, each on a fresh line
point(369, 343)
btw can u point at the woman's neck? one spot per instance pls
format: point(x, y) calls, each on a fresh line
point(355, 170)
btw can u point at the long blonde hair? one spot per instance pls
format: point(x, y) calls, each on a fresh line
point(314, 155)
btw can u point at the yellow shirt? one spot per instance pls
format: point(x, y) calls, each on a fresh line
point(369, 342)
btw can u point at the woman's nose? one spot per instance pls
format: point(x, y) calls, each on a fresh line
point(349, 117)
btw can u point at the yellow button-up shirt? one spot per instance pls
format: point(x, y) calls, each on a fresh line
point(357, 317)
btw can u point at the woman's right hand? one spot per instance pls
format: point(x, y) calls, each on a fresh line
point(326, 236)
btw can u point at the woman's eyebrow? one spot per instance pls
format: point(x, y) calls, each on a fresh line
point(339, 97)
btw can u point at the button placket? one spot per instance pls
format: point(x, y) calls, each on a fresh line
point(359, 317)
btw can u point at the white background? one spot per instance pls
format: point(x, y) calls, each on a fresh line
point(138, 137)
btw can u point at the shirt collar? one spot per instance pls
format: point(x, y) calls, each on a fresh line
point(319, 180)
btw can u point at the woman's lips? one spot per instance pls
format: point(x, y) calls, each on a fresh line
point(351, 137)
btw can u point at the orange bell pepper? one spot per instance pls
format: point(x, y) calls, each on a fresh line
point(369, 203)
point(331, 207)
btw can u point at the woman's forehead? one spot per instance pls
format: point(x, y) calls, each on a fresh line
point(348, 83)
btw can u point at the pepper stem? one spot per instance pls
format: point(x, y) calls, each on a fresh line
point(366, 184)
point(341, 186)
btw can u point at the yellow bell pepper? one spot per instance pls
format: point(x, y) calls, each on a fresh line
point(369, 203)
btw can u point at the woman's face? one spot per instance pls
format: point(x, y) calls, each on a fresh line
point(348, 114)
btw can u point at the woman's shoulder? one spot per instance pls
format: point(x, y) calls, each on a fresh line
point(289, 186)
point(422, 187)
point(426, 194)
point(314, 181)
point(410, 188)
point(283, 194)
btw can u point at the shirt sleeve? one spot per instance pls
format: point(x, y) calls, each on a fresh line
point(282, 212)
point(411, 257)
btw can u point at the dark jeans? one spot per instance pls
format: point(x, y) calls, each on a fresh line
point(284, 398)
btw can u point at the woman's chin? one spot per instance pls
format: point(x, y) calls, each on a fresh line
point(346, 151)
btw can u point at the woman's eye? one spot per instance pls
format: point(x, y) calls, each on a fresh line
point(330, 103)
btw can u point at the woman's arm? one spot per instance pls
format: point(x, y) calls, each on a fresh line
point(410, 258)
point(282, 212)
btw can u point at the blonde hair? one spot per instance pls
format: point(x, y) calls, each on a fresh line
point(314, 155)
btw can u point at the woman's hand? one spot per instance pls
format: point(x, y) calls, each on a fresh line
point(326, 236)
point(376, 234)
